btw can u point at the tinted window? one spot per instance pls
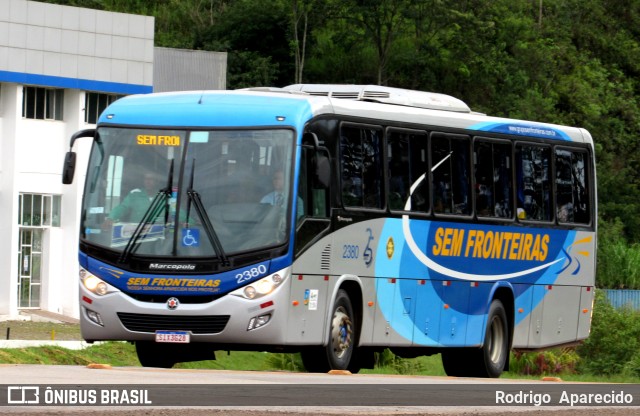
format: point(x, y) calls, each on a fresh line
point(533, 174)
point(572, 198)
point(361, 166)
point(407, 160)
point(450, 174)
point(493, 176)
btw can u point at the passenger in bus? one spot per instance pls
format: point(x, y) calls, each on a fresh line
point(277, 197)
point(135, 204)
point(398, 190)
point(484, 198)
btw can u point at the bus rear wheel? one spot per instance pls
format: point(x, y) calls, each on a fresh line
point(339, 349)
point(487, 361)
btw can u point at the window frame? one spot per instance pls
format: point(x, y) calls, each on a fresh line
point(470, 202)
point(589, 180)
point(98, 97)
point(532, 143)
point(48, 103)
point(513, 205)
point(383, 177)
point(387, 142)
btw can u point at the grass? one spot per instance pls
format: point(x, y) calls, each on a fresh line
point(29, 330)
point(122, 354)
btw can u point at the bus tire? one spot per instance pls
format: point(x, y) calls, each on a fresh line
point(456, 361)
point(495, 349)
point(487, 361)
point(150, 354)
point(336, 355)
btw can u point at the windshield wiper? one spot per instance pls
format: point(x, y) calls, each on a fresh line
point(159, 203)
point(194, 197)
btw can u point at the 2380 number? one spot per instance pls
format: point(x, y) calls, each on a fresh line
point(251, 273)
point(350, 251)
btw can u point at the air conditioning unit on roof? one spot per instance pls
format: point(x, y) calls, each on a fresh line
point(385, 95)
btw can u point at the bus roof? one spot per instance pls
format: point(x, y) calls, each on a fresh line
point(295, 105)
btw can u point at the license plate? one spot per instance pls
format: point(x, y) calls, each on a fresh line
point(177, 337)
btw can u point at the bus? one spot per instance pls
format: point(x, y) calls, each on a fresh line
point(404, 220)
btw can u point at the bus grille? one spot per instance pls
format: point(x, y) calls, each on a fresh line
point(196, 324)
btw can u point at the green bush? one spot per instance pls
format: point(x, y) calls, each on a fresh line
point(618, 261)
point(614, 343)
point(554, 361)
point(285, 362)
point(397, 365)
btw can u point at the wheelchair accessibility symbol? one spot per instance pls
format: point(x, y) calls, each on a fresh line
point(190, 237)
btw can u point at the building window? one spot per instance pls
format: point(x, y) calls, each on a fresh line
point(42, 103)
point(95, 103)
point(30, 267)
point(36, 210)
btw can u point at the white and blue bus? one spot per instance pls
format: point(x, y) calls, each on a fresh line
point(335, 221)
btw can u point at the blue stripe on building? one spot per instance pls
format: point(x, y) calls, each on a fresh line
point(74, 83)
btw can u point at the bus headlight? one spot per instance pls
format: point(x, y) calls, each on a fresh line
point(261, 287)
point(94, 284)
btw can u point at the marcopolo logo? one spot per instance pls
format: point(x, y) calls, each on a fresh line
point(170, 266)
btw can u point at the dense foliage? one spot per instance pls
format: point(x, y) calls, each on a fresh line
point(572, 62)
point(612, 348)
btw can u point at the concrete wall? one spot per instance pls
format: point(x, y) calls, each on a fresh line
point(71, 47)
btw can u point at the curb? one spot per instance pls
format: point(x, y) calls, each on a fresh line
point(71, 345)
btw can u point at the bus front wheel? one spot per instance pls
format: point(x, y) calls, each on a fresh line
point(336, 355)
point(151, 354)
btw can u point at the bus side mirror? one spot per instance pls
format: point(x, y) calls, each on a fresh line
point(69, 168)
point(321, 171)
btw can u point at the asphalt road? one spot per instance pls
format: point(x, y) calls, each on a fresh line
point(147, 391)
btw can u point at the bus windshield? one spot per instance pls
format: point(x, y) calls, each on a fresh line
point(180, 193)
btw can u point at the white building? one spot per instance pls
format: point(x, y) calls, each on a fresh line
point(60, 66)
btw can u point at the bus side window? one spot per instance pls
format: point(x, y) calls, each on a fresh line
point(361, 166)
point(572, 199)
point(533, 174)
point(407, 163)
point(312, 203)
point(493, 183)
point(450, 174)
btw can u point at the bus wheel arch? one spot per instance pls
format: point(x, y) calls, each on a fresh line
point(343, 332)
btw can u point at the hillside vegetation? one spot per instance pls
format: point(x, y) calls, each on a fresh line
point(574, 62)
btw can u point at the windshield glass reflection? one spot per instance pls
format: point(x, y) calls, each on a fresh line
point(188, 194)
